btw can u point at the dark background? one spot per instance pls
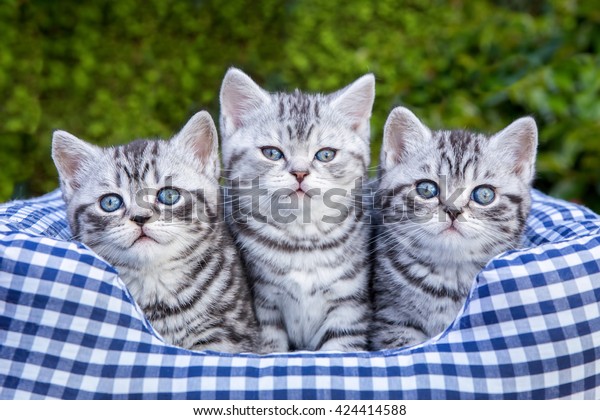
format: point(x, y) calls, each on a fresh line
point(113, 71)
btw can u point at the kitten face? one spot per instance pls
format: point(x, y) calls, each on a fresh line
point(145, 202)
point(455, 194)
point(297, 147)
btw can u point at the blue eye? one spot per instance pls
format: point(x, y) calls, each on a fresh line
point(111, 202)
point(325, 155)
point(483, 195)
point(272, 153)
point(427, 189)
point(168, 196)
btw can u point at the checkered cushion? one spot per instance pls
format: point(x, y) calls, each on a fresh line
point(529, 329)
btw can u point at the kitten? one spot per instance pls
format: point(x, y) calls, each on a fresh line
point(151, 209)
point(295, 164)
point(449, 201)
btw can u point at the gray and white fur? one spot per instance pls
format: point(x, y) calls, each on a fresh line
point(430, 248)
point(175, 256)
point(303, 233)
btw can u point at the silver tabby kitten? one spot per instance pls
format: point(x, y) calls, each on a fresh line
point(295, 164)
point(151, 209)
point(448, 202)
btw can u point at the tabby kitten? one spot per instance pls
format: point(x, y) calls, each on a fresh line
point(151, 209)
point(295, 164)
point(448, 202)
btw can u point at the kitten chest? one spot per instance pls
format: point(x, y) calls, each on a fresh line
point(305, 313)
point(441, 312)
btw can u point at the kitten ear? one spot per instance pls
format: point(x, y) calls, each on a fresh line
point(199, 138)
point(402, 134)
point(239, 97)
point(517, 145)
point(355, 103)
point(71, 155)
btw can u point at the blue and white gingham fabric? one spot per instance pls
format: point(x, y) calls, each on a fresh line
point(529, 329)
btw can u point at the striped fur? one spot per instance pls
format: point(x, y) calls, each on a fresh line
point(425, 262)
point(302, 240)
point(186, 275)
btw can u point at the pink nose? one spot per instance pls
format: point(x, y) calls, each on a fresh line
point(299, 175)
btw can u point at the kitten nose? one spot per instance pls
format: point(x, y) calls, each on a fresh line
point(299, 174)
point(453, 212)
point(140, 220)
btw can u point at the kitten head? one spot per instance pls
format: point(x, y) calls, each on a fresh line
point(459, 194)
point(142, 203)
point(296, 145)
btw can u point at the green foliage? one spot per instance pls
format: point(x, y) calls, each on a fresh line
point(113, 71)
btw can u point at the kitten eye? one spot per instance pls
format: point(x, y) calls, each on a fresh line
point(325, 155)
point(111, 202)
point(272, 153)
point(427, 189)
point(168, 196)
point(483, 195)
